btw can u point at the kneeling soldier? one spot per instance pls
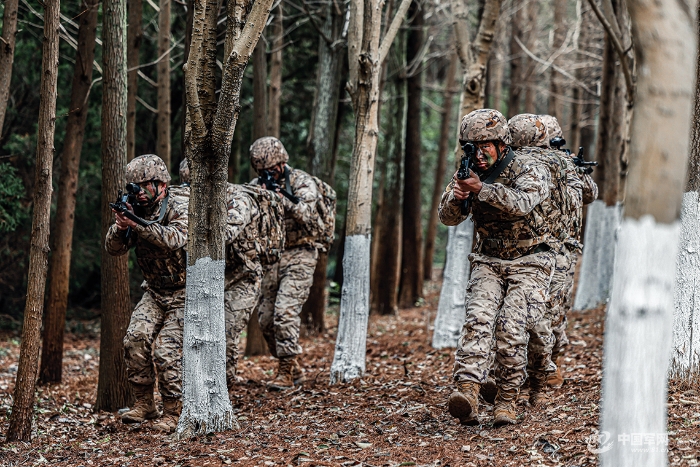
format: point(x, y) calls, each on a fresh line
point(154, 334)
point(511, 265)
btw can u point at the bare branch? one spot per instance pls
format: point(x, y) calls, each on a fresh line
point(393, 29)
point(143, 103)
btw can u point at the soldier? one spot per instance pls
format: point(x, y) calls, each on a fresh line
point(530, 135)
point(573, 247)
point(286, 284)
point(254, 237)
point(510, 268)
point(155, 330)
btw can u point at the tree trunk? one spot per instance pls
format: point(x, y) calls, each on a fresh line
point(685, 363)
point(273, 108)
point(259, 91)
point(163, 130)
point(411, 283)
point(52, 348)
point(454, 287)
point(365, 56)
point(638, 328)
point(20, 428)
point(210, 128)
point(496, 68)
point(517, 60)
point(313, 311)
point(530, 41)
point(7, 55)
point(113, 388)
point(255, 343)
point(134, 34)
point(557, 90)
point(441, 166)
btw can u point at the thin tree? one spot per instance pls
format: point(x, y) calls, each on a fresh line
point(441, 166)
point(275, 92)
point(209, 134)
point(7, 54)
point(411, 283)
point(556, 85)
point(365, 58)
point(259, 91)
point(52, 348)
point(20, 428)
point(113, 388)
point(638, 328)
point(685, 363)
point(134, 35)
point(163, 122)
point(532, 11)
point(473, 56)
point(517, 60)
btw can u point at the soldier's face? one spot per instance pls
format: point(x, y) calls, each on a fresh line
point(150, 191)
point(486, 155)
point(277, 171)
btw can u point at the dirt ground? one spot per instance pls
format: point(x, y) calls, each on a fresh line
point(394, 416)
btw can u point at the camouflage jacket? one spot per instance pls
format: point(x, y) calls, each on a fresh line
point(160, 247)
point(564, 190)
point(589, 194)
point(301, 220)
point(241, 232)
point(508, 216)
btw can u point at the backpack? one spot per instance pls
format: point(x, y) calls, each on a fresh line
point(269, 223)
point(326, 207)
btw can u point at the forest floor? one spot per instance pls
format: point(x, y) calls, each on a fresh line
point(394, 416)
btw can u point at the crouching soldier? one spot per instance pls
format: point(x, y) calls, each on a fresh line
point(154, 334)
point(510, 268)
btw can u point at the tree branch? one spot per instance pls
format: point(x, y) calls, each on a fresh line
point(393, 29)
point(191, 71)
point(356, 12)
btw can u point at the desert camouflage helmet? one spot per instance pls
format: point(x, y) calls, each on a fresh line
point(267, 152)
point(146, 168)
point(552, 126)
point(484, 125)
point(528, 130)
point(184, 172)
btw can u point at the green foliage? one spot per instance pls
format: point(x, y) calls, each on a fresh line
point(11, 193)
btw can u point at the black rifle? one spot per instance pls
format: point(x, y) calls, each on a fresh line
point(267, 179)
point(132, 191)
point(579, 160)
point(465, 165)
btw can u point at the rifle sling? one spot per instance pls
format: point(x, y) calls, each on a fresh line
point(163, 208)
point(500, 167)
point(287, 183)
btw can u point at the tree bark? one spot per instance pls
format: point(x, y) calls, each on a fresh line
point(134, 34)
point(365, 56)
point(517, 60)
point(496, 67)
point(259, 91)
point(7, 55)
point(556, 87)
point(411, 282)
point(210, 128)
point(52, 348)
point(275, 93)
point(20, 428)
point(638, 328)
point(113, 388)
point(441, 166)
point(255, 343)
point(163, 130)
point(530, 41)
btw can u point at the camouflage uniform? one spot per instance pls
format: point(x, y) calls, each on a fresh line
point(154, 334)
point(511, 269)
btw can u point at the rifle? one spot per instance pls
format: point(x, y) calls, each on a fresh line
point(132, 191)
point(465, 165)
point(267, 179)
point(579, 160)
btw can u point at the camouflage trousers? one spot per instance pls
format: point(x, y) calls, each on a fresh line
point(568, 267)
point(506, 303)
point(241, 295)
point(285, 288)
point(154, 335)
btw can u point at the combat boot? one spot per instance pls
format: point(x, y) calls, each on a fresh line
point(289, 373)
point(144, 408)
point(171, 414)
point(504, 410)
point(556, 380)
point(538, 390)
point(489, 390)
point(464, 403)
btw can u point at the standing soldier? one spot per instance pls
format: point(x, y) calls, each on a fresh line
point(573, 247)
point(286, 284)
point(155, 330)
point(530, 135)
point(511, 265)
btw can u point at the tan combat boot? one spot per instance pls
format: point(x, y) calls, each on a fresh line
point(171, 415)
point(538, 390)
point(289, 373)
point(464, 403)
point(556, 380)
point(489, 390)
point(144, 408)
point(504, 410)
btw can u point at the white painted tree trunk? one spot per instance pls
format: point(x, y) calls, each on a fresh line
point(685, 358)
point(451, 307)
point(594, 284)
point(206, 406)
point(638, 345)
point(351, 342)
